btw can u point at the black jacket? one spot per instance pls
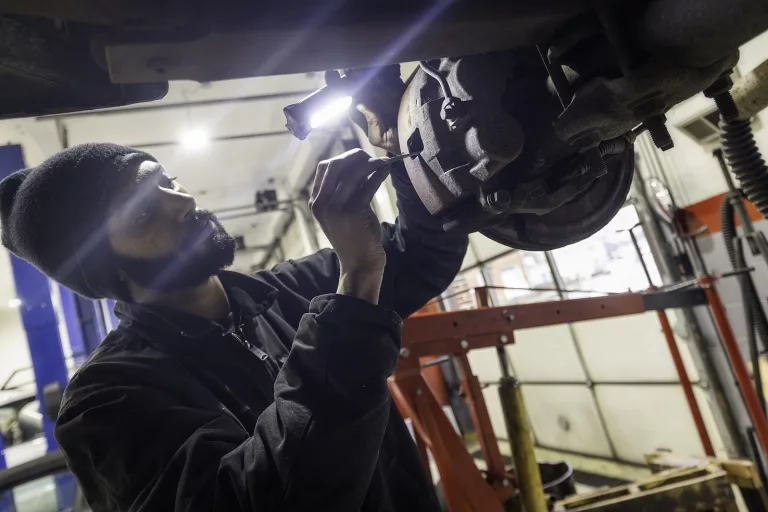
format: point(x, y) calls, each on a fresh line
point(172, 412)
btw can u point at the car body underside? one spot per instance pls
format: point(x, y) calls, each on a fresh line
point(524, 112)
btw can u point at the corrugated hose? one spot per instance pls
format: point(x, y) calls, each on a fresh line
point(754, 315)
point(746, 162)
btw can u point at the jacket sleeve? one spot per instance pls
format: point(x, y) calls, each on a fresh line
point(142, 448)
point(422, 259)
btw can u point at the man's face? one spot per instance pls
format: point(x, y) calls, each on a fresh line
point(162, 241)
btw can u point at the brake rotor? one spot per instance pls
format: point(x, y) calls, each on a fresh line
point(574, 221)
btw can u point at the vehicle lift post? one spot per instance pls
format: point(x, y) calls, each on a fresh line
point(42, 329)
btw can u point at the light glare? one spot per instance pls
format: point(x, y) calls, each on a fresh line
point(195, 139)
point(14, 303)
point(330, 112)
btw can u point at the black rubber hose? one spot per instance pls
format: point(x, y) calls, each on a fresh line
point(754, 315)
point(749, 321)
point(746, 162)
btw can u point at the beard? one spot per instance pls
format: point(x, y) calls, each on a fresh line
point(204, 252)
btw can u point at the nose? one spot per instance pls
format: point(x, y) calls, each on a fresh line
point(187, 208)
point(179, 205)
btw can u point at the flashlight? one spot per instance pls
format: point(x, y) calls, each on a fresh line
point(320, 108)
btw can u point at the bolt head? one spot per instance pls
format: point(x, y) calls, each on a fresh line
point(504, 338)
point(648, 106)
point(464, 344)
point(404, 353)
point(719, 86)
point(419, 392)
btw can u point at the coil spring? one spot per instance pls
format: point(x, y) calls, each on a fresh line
point(747, 163)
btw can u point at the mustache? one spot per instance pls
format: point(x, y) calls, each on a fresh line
point(201, 218)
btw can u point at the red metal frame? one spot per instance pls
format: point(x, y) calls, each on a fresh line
point(432, 334)
point(736, 359)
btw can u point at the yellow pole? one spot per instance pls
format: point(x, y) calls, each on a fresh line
point(527, 474)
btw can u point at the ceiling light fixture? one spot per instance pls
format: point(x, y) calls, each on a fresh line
point(14, 303)
point(195, 139)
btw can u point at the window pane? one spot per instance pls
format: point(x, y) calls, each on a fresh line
point(607, 261)
point(511, 277)
point(460, 294)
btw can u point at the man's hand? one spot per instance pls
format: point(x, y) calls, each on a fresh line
point(341, 202)
point(379, 104)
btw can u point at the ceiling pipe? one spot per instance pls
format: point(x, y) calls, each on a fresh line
point(244, 136)
point(751, 92)
point(180, 105)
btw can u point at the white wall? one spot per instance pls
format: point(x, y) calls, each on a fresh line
point(693, 173)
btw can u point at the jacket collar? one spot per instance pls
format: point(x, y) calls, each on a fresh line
point(249, 296)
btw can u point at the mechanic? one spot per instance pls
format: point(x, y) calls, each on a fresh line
point(224, 391)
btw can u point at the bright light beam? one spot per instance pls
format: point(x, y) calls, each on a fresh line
point(194, 139)
point(330, 112)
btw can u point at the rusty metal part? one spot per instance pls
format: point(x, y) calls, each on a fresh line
point(607, 108)
point(527, 475)
point(466, 138)
point(563, 217)
point(480, 176)
point(751, 92)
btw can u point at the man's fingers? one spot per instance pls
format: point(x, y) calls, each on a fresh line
point(338, 171)
point(372, 185)
point(322, 167)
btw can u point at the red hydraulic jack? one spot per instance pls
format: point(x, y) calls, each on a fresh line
point(456, 333)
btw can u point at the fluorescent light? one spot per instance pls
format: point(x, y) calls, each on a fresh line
point(14, 303)
point(330, 112)
point(195, 139)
